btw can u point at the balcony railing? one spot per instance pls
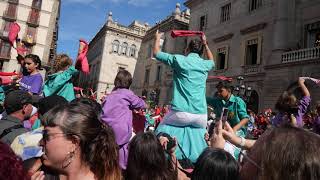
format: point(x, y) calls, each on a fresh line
point(33, 18)
point(251, 69)
point(13, 1)
point(4, 33)
point(301, 55)
point(29, 40)
point(10, 13)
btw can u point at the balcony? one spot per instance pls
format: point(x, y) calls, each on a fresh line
point(5, 50)
point(33, 19)
point(29, 40)
point(4, 34)
point(301, 55)
point(251, 69)
point(13, 1)
point(10, 14)
point(36, 4)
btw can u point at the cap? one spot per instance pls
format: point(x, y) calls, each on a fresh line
point(15, 100)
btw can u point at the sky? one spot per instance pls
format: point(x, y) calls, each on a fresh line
point(84, 18)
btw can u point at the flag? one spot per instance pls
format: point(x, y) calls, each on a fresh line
point(82, 61)
point(183, 33)
point(13, 32)
point(223, 78)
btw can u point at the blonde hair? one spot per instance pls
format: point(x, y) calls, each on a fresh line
point(61, 62)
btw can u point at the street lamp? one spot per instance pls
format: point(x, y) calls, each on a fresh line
point(242, 90)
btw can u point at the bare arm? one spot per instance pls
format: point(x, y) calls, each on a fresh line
point(206, 48)
point(304, 88)
point(229, 135)
point(243, 122)
point(156, 46)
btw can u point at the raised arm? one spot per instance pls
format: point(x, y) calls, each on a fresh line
point(156, 46)
point(304, 88)
point(206, 48)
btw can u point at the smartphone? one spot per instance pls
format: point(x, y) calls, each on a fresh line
point(224, 115)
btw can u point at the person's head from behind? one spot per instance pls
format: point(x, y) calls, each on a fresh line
point(47, 103)
point(285, 153)
point(10, 164)
point(32, 63)
point(73, 136)
point(195, 46)
point(123, 80)
point(147, 159)
point(90, 102)
point(18, 103)
point(215, 164)
point(287, 103)
point(224, 89)
point(62, 62)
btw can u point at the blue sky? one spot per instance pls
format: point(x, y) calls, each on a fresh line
point(84, 18)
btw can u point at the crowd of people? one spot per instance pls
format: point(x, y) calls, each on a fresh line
point(48, 132)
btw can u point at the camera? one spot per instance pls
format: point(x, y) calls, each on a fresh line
point(171, 143)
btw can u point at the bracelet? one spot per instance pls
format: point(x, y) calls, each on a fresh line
point(243, 141)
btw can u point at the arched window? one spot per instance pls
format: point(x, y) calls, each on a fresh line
point(124, 48)
point(133, 50)
point(115, 46)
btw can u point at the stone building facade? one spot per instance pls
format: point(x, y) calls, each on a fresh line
point(152, 78)
point(38, 20)
point(115, 47)
point(268, 42)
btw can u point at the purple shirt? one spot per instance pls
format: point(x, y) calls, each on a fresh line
point(31, 83)
point(117, 113)
point(316, 125)
point(302, 109)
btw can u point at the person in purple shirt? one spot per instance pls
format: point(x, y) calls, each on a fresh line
point(32, 82)
point(291, 110)
point(117, 112)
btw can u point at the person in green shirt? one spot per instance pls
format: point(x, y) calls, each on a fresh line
point(187, 118)
point(237, 115)
point(60, 82)
point(190, 73)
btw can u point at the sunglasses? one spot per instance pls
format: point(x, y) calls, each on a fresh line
point(46, 135)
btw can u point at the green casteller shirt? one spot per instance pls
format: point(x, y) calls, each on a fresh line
point(60, 84)
point(236, 106)
point(190, 74)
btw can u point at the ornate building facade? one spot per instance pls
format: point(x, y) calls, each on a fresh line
point(38, 20)
point(115, 47)
point(268, 42)
point(152, 78)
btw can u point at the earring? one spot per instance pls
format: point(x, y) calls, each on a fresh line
point(68, 159)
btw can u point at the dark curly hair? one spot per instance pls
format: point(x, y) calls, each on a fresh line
point(11, 166)
point(196, 46)
point(35, 59)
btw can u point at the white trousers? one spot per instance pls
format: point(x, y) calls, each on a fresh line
point(177, 118)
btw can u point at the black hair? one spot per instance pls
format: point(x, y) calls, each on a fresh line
point(215, 164)
point(196, 46)
point(35, 59)
point(147, 159)
point(90, 102)
point(123, 80)
point(225, 84)
point(49, 102)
